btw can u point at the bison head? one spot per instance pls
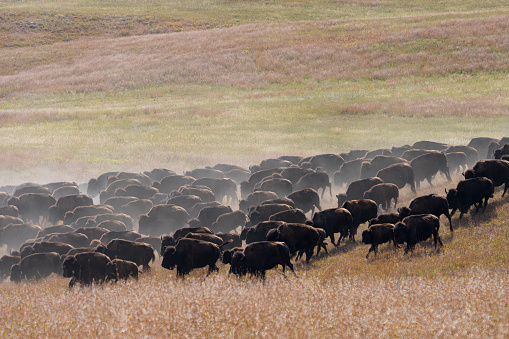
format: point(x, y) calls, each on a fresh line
point(452, 198)
point(169, 258)
point(15, 273)
point(69, 266)
point(367, 237)
point(400, 233)
point(469, 174)
point(237, 265)
point(273, 234)
point(111, 271)
point(404, 212)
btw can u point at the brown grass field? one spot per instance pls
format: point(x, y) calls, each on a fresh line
point(90, 86)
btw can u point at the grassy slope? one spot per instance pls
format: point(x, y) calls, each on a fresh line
point(458, 291)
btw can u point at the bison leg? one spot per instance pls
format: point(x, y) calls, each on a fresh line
point(309, 254)
point(370, 249)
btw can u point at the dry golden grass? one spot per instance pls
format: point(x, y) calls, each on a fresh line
point(459, 290)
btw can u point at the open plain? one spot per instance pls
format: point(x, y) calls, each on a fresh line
point(93, 86)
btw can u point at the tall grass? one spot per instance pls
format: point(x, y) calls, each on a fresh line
point(458, 291)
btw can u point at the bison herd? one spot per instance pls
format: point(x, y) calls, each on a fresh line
point(109, 227)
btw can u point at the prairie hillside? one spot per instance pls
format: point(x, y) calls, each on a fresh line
point(92, 86)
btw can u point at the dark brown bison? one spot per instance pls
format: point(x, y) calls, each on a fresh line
point(112, 225)
point(494, 169)
point(282, 187)
point(66, 190)
point(427, 204)
point(205, 237)
point(334, 220)
point(209, 215)
point(376, 235)
point(385, 218)
point(205, 193)
point(457, 161)
point(162, 219)
point(255, 199)
point(114, 185)
point(86, 211)
point(223, 188)
point(427, 165)
point(417, 228)
point(317, 181)
point(470, 152)
point(382, 194)
point(137, 191)
point(300, 238)
point(500, 152)
point(67, 204)
point(362, 210)
point(189, 254)
point(294, 173)
point(126, 235)
point(348, 172)
point(470, 192)
point(36, 266)
point(357, 188)
point(87, 268)
point(199, 173)
point(399, 174)
point(306, 200)
point(140, 253)
point(184, 201)
point(289, 216)
point(128, 222)
point(73, 239)
point(227, 259)
point(229, 221)
point(172, 183)
point(259, 231)
point(260, 256)
point(430, 145)
point(122, 269)
point(92, 232)
point(329, 163)
point(33, 207)
point(369, 169)
point(13, 235)
point(6, 263)
point(263, 212)
point(96, 185)
point(54, 229)
point(44, 247)
point(157, 174)
point(481, 145)
point(171, 240)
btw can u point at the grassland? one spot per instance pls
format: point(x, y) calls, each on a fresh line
point(91, 86)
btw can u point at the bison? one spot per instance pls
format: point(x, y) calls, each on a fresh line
point(376, 235)
point(417, 228)
point(87, 268)
point(470, 192)
point(427, 204)
point(382, 194)
point(36, 266)
point(140, 253)
point(260, 256)
point(189, 254)
point(332, 221)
